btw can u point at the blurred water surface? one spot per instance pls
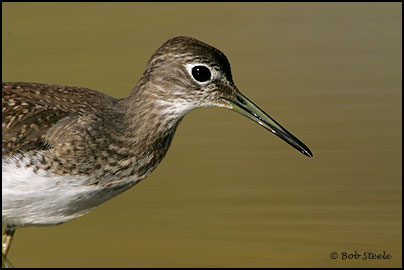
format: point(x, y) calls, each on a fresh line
point(229, 193)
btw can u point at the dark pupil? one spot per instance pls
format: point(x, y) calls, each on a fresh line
point(201, 73)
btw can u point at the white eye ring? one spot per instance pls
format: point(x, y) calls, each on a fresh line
point(203, 75)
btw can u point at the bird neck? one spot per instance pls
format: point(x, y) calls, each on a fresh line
point(149, 123)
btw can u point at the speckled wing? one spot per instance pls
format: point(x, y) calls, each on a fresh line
point(32, 112)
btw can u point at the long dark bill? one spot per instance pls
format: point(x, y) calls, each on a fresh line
point(247, 108)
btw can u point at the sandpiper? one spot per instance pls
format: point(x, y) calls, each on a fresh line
point(68, 149)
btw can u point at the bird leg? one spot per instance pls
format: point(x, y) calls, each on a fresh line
point(6, 243)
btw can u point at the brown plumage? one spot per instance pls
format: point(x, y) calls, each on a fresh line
point(68, 149)
point(80, 131)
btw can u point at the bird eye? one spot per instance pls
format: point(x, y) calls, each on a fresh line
point(201, 73)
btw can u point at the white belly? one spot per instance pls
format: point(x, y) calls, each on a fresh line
point(42, 198)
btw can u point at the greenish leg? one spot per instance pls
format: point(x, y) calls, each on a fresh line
point(6, 243)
